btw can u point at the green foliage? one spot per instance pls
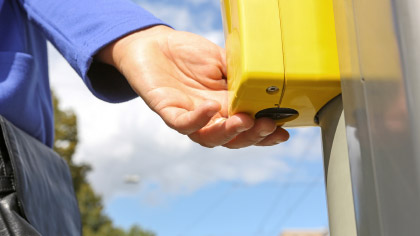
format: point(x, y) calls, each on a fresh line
point(94, 220)
point(137, 231)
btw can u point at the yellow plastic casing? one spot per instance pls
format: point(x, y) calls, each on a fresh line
point(254, 54)
point(288, 44)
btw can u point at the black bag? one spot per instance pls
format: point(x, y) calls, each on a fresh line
point(36, 190)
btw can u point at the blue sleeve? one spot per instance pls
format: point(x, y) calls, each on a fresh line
point(79, 28)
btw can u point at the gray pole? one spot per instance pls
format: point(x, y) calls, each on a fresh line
point(337, 170)
point(379, 54)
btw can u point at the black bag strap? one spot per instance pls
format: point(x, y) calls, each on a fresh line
point(6, 170)
point(6, 185)
point(40, 181)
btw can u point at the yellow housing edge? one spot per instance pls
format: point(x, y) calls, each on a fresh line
point(281, 54)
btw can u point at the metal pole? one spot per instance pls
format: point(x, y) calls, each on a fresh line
point(337, 170)
point(379, 54)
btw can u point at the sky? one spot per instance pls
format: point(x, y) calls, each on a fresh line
point(185, 189)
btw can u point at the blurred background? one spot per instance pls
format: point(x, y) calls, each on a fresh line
point(134, 176)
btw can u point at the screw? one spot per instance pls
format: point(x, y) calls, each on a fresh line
point(272, 90)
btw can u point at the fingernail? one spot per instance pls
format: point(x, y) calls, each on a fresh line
point(264, 133)
point(219, 120)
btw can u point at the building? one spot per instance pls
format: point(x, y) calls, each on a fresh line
point(300, 232)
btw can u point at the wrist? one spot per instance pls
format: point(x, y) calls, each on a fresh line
point(114, 52)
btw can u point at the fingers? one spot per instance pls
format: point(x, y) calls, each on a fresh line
point(262, 128)
point(264, 133)
point(224, 63)
point(234, 132)
point(240, 131)
point(219, 133)
point(278, 136)
point(187, 122)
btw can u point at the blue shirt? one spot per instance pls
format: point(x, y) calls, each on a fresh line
point(78, 29)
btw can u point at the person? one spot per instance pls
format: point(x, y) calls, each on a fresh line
point(121, 51)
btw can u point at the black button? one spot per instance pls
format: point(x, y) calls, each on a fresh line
point(277, 113)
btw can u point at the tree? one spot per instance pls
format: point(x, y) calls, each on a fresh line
point(95, 222)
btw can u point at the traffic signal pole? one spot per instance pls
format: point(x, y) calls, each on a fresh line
point(337, 170)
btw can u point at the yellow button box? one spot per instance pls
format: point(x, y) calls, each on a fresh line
point(282, 58)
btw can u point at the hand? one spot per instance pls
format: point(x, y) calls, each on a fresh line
point(181, 76)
